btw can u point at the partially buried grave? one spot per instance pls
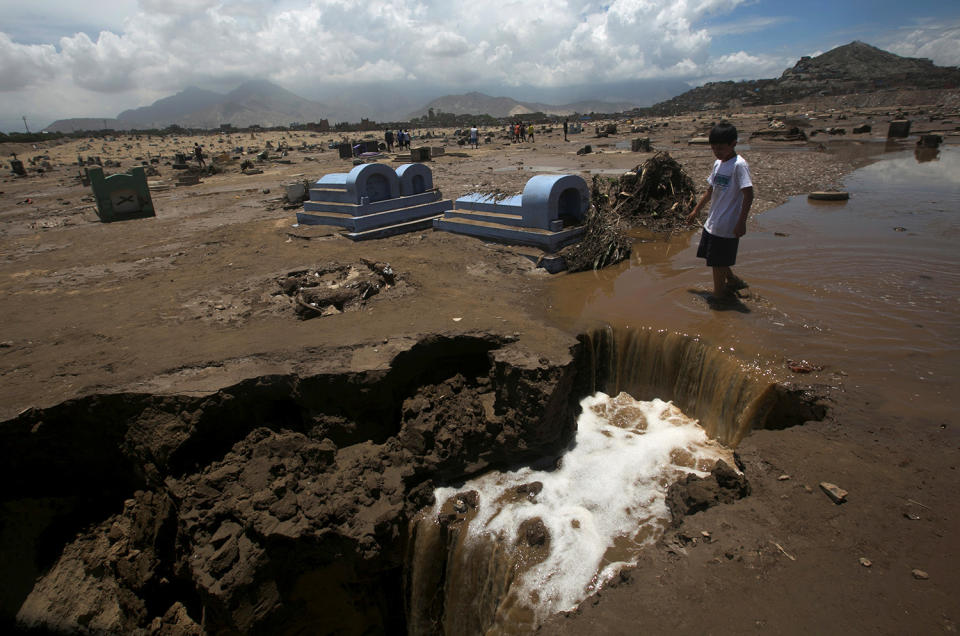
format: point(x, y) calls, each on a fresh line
point(548, 215)
point(374, 200)
point(121, 196)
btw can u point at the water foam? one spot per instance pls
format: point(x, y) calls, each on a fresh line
point(601, 505)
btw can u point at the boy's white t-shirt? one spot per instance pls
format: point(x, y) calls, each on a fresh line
point(728, 179)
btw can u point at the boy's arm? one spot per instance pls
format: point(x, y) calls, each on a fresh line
point(741, 227)
point(699, 206)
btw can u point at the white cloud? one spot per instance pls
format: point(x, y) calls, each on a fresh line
point(139, 53)
point(171, 43)
point(743, 65)
point(748, 25)
point(939, 42)
point(23, 65)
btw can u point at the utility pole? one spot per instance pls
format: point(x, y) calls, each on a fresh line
point(24, 118)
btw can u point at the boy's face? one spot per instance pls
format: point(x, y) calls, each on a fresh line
point(723, 151)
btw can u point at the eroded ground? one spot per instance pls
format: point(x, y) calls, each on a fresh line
point(188, 303)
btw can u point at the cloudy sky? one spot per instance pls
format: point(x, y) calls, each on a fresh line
point(62, 58)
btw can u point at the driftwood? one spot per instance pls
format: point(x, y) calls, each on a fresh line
point(657, 194)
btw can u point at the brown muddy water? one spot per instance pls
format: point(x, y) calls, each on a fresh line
point(867, 289)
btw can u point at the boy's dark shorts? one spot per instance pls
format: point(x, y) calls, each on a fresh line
point(719, 251)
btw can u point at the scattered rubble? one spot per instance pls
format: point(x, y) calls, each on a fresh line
point(335, 287)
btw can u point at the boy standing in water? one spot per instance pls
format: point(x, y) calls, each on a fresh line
point(731, 190)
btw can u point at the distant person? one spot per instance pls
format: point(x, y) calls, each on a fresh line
point(474, 137)
point(730, 189)
point(388, 138)
point(530, 132)
point(523, 131)
point(516, 132)
point(564, 129)
point(198, 153)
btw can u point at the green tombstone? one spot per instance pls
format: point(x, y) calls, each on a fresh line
point(121, 196)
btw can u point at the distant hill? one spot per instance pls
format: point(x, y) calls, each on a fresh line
point(169, 110)
point(480, 104)
point(83, 123)
point(256, 102)
point(852, 68)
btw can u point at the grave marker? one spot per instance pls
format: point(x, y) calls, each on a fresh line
point(373, 201)
point(121, 196)
point(899, 128)
point(549, 214)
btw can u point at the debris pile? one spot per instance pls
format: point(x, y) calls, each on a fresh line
point(657, 195)
point(335, 287)
point(604, 242)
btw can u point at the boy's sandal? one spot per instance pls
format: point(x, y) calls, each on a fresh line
point(737, 283)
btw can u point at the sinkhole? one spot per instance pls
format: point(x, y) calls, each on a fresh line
point(341, 502)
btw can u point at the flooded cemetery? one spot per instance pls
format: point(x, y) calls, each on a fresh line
point(319, 386)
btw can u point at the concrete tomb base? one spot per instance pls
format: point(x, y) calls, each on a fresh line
point(548, 215)
point(373, 201)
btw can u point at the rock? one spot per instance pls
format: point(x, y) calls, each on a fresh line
point(865, 562)
point(694, 494)
point(837, 495)
point(920, 575)
point(295, 192)
point(858, 130)
point(534, 531)
point(531, 490)
point(783, 477)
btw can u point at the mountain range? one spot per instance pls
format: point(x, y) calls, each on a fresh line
point(256, 102)
point(260, 102)
point(852, 68)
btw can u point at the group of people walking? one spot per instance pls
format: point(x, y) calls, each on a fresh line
point(522, 131)
point(401, 137)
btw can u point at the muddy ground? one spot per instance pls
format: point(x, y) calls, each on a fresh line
point(188, 303)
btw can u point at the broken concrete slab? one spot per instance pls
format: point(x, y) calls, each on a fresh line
point(837, 495)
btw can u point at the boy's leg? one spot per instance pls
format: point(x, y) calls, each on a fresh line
point(720, 281)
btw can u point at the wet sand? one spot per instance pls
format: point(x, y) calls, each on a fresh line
point(185, 303)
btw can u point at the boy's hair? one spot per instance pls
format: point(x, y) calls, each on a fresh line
point(723, 133)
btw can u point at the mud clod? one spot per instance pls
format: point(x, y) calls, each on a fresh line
point(694, 494)
point(534, 532)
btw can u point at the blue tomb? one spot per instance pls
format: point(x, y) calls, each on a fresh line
point(373, 200)
point(549, 214)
